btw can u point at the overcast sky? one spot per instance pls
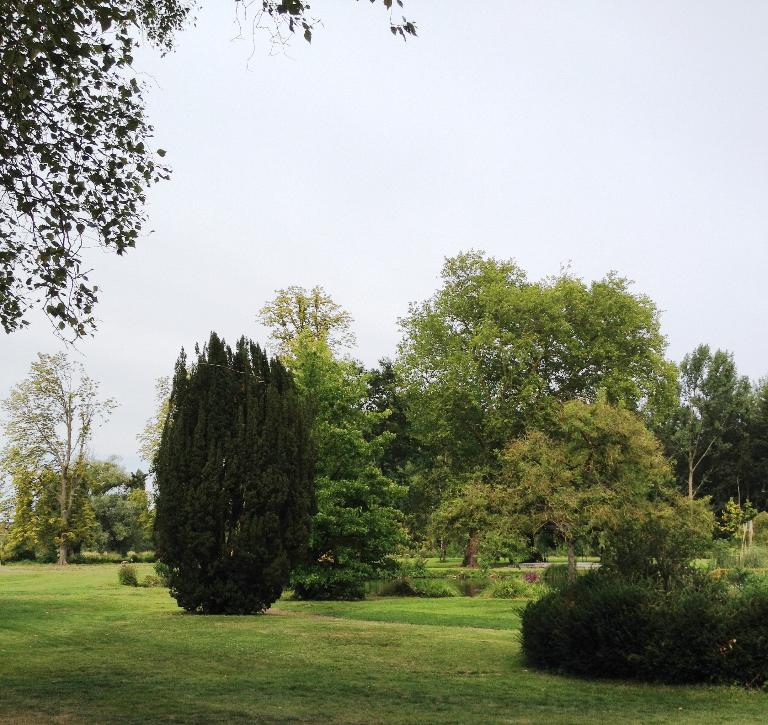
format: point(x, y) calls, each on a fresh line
point(627, 135)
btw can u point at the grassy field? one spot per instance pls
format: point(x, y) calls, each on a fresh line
point(77, 647)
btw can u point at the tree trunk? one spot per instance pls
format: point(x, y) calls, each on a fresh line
point(571, 563)
point(63, 559)
point(470, 553)
point(690, 477)
point(442, 549)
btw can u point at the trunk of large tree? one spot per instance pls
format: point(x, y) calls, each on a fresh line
point(571, 563)
point(690, 477)
point(63, 559)
point(470, 553)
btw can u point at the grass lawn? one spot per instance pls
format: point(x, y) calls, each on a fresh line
point(77, 647)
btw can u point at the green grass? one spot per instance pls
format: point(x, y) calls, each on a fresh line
point(75, 647)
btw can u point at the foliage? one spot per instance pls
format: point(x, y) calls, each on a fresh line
point(491, 353)
point(605, 625)
point(357, 527)
point(125, 521)
point(556, 576)
point(121, 506)
point(7, 506)
point(760, 524)
point(50, 418)
point(659, 542)
point(297, 312)
point(163, 573)
point(599, 462)
point(234, 480)
point(76, 157)
point(707, 433)
point(127, 576)
point(414, 587)
point(509, 588)
point(149, 438)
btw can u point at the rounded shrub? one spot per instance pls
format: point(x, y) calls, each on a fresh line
point(595, 627)
point(605, 626)
point(126, 575)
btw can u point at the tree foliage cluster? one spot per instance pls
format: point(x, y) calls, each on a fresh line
point(76, 155)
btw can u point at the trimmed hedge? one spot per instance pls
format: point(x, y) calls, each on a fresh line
point(604, 626)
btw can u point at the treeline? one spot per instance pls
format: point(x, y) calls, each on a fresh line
point(417, 453)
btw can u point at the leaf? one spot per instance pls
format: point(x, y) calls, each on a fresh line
point(308, 35)
point(161, 152)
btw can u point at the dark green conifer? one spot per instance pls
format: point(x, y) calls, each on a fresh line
point(234, 475)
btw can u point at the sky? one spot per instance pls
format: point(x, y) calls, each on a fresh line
point(622, 135)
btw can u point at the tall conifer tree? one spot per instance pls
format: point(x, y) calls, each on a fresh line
point(234, 475)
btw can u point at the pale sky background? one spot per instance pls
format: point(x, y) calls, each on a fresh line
point(628, 135)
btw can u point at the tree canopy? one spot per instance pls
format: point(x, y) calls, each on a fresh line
point(491, 354)
point(76, 156)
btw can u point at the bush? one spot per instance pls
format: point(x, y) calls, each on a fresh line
point(143, 557)
point(328, 583)
point(517, 587)
point(595, 627)
point(760, 527)
point(126, 575)
point(163, 573)
point(606, 626)
point(151, 581)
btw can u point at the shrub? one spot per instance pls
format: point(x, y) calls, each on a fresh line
point(143, 557)
point(150, 581)
point(594, 627)
point(508, 588)
point(427, 588)
point(163, 573)
point(126, 575)
point(756, 557)
point(606, 626)
point(760, 527)
point(328, 583)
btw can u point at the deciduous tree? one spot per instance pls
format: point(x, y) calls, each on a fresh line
point(76, 156)
point(51, 416)
point(596, 463)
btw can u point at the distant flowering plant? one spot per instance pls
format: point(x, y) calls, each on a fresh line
point(530, 577)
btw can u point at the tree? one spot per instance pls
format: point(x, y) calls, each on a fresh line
point(76, 157)
point(149, 438)
point(7, 505)
point(296, 311)
point(51, 417)
point(707, 433)
point(234, 480)
point(357, 527)
point(120, 506)
point(600, 461)
point(491, 355)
